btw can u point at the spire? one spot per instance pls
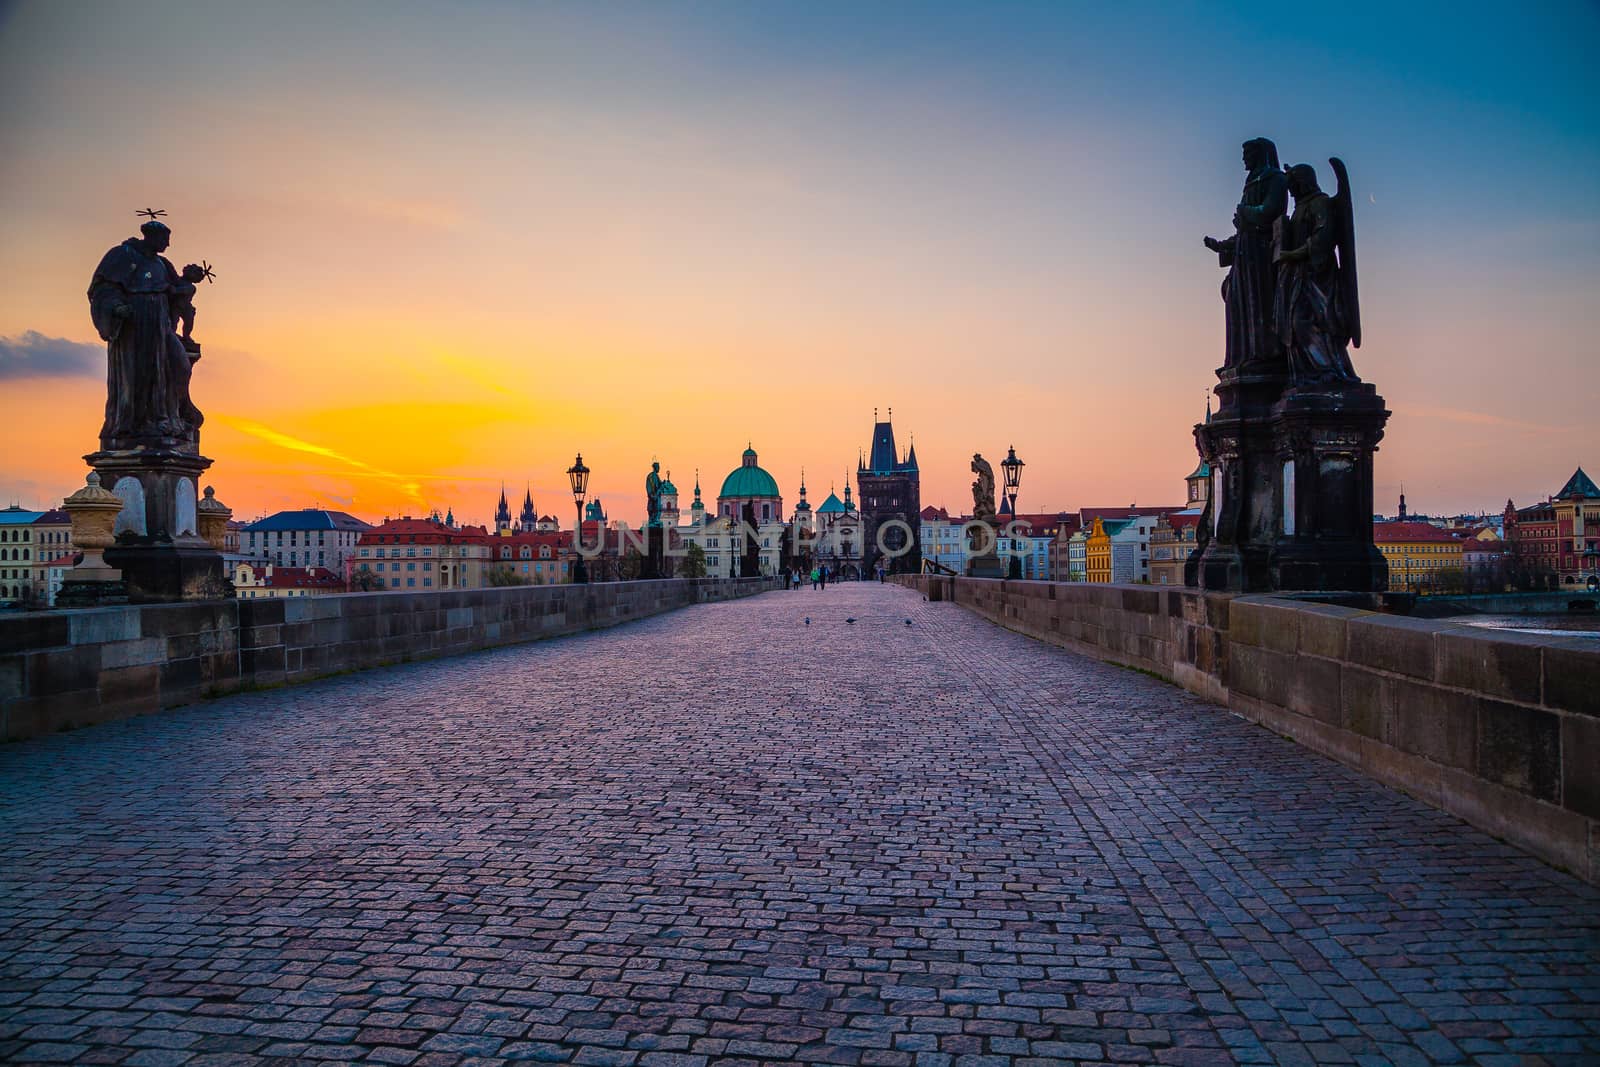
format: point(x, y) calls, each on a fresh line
point(802, 483)
point(502, 514)
point(697, 485)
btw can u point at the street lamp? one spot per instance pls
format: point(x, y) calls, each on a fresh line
point(578, 474)
point(1011, 471)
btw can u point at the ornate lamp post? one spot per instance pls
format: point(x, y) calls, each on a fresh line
point(1011, 469)
point(1011, 472)
point(578, 475)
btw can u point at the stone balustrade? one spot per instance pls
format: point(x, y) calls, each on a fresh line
point(1501, 729)
point(65, 669)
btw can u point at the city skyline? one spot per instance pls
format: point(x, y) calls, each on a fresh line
point(450, 253)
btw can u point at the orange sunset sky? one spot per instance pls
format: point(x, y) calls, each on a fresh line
point(456, 244)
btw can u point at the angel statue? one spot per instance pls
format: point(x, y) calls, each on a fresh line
point(1316, 309)
point(982, 488)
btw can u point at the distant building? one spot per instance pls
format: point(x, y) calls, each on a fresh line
point(1036, 548)
point(1117, 548)
point(1173, 538)
point(17, 555)
point(890, 489)
point(840, 536)
point(408, 554)
point(266, 581)
point(53, 555)
point(1577, 510)
point(306, 537)
point(528, 558)
point(1176, 533)
point(1422, 557)
point(942, 539)
point(1076, 565)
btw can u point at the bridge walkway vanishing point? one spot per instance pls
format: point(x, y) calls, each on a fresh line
point(721, 835)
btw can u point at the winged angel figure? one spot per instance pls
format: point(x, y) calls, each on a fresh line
point(1316, 307)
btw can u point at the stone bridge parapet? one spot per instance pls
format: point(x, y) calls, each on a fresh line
point(64, 669)
point(1499, 728)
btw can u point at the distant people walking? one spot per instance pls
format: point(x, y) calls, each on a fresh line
point(816, 574)
point(824, 577)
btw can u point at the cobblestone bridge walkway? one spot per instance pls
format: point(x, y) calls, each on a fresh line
point(724, 836)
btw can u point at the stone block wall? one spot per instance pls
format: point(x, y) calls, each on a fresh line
point(1499, 728)
point(64, 669)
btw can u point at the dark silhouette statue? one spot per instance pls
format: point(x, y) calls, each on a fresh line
point(134, 298)
point(1247, 292)
point(1317, 311)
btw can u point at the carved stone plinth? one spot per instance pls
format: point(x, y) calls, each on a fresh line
point(1239, 444)
point(158, 547)
point(1325, 438)
point(654, 542)
point(988, 566)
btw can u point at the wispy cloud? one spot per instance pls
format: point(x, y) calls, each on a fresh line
point(1479, 418)
point(358, 468)
point(31, 354)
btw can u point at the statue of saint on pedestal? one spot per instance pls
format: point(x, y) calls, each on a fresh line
point(982, 488)
point(135, 296)
point(1247, 291)
point(652, 496)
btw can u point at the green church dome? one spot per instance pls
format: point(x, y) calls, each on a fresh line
point(749, 479)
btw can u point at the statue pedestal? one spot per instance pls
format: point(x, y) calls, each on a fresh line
point(650, 562)
point(1325, 437)
point(1246, 502)
point(158, 547)
point(985, 566)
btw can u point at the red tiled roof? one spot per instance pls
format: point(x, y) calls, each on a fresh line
point(407, 530)
point(932, 513)
point(298, 578)
point(1397, 532)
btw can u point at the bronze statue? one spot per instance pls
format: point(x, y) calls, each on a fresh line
point(982, 488)
point(1316, 309)
point(1247, 291)
point(652, 493)
point(133, 298)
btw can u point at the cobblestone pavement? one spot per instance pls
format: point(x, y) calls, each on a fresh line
point(721, 835)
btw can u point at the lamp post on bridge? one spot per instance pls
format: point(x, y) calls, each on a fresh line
point(578, 475)
point(1011, 471)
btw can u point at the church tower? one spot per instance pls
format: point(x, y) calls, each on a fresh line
point(529, 521)
point(502, 514)
point(891, 501)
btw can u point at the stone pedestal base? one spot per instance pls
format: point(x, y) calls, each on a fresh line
point(1246, 501)
point(650, 561)
point(91, 593)
point(986, 566)
point(1325, 439)
point(158, 548)
point(158, 573)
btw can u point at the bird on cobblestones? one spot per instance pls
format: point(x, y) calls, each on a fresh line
point(808, 620)
point(908, 622)
point(851, 621)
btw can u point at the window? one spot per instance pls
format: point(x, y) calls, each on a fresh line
point(411, 583)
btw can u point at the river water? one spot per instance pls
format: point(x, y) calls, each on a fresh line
point(1548, 625)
